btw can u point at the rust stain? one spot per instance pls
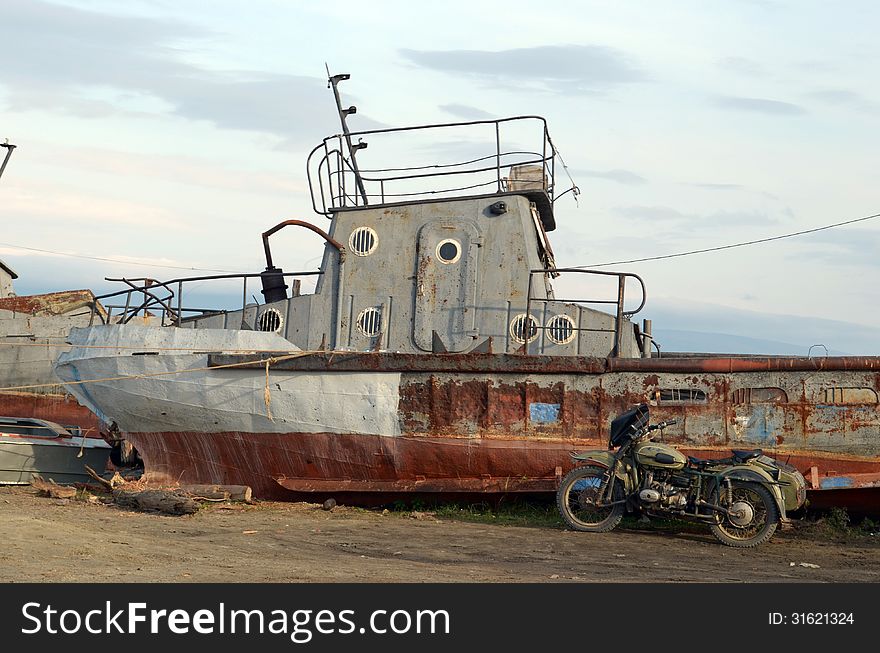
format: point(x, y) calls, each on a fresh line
point(59, 408)
point(55, 303)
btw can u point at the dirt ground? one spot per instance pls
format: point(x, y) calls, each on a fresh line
point(49, 540)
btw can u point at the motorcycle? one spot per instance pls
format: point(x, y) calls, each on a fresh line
point(742, 498)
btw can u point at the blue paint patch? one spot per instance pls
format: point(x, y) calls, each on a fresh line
point(544, 413)
point(762, 426)
point(835, 482)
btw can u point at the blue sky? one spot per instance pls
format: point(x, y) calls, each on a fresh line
point(175, 132)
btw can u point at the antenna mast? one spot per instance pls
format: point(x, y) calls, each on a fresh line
point(9, 147)
point(333, 81)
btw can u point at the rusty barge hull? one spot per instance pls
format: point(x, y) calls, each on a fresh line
point(290, 465)
point(60, 408)
point(399, 423)
point(33, 329)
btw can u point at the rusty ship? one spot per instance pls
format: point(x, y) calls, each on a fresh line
point(435, 354)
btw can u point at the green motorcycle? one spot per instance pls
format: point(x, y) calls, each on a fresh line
point(742, 498)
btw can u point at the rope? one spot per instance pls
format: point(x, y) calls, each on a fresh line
point(153, 374)
point(141, 348)
point(267, 396)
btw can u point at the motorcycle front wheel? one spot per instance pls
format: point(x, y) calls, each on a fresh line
point(753, 519)
point(577, 497)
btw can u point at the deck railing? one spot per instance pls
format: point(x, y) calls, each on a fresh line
point(165, 299)
point(620, 315)
point(335, 183)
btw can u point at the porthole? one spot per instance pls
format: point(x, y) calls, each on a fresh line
point(363, 241)
point(270, 320)
point(560, 329)
point(448, 251)
point(523, 328)
point(681, 396)
point(369, 322)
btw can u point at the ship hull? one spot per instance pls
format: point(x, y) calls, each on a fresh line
point(289, 465)
point(33, 330)
point(59, 408)
point(329, 422)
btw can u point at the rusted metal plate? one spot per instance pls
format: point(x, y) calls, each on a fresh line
point(519, 363)
point(276, 463)
point(821, 415)
point(55, 303)
point(59, 408)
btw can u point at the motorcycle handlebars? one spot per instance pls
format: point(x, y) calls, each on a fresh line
point(662, 425)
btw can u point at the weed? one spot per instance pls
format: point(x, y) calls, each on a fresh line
point(518, 513)
point(838, 520)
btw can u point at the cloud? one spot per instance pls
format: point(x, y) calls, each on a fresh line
point(847, 247)
point(626, 177)
point(55, 206)
point(726, 187)
point(175, 168)
point(466, 112)
point(760, 105)
point(652, 213)
point(565, 69)
point(741, 66)
point(845, 98)
point(694, 221)
point(91, 64)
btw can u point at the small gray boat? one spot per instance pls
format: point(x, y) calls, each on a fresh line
point(30, 447)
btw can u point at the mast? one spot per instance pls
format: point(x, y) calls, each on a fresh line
point(333, 81)
point(9, 147)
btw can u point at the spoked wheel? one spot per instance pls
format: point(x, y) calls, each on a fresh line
point(753, 516)
point(577, 501)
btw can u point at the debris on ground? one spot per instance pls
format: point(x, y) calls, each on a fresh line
point(240, 493)
point(165, 501)
point(52, 490)
point(176, 501)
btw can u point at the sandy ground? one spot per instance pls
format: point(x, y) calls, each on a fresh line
point(47, 540)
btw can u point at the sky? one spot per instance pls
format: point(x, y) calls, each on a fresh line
point(172, 133)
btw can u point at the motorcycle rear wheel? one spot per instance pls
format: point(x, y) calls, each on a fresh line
point(757, 502)
point(576, 500)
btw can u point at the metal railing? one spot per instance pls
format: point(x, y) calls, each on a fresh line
point(164, 299)
point(619, 313)
point(336, 183)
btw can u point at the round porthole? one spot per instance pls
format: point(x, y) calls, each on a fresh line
point(270, 320)
point(369, 322)
point(560, 329)
point(448, 251)
point(363, 241)
point(523, 328)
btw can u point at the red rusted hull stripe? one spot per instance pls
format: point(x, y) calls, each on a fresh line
point(273, 463)
point(61, 409)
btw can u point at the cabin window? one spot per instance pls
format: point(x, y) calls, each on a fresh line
point(448, 251)
point(363, 241)
point(270, 320)
point(369, 322)
point(759, 396)
point(846, 396)
point(523, 328)
point(560, 329)
point(681, 396)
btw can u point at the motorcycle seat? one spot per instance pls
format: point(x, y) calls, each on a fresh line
point(698, 462)
point(744, 455)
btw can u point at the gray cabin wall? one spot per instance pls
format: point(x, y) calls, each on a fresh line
point(466, 300)
point(6, 289)
point(399, 285)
